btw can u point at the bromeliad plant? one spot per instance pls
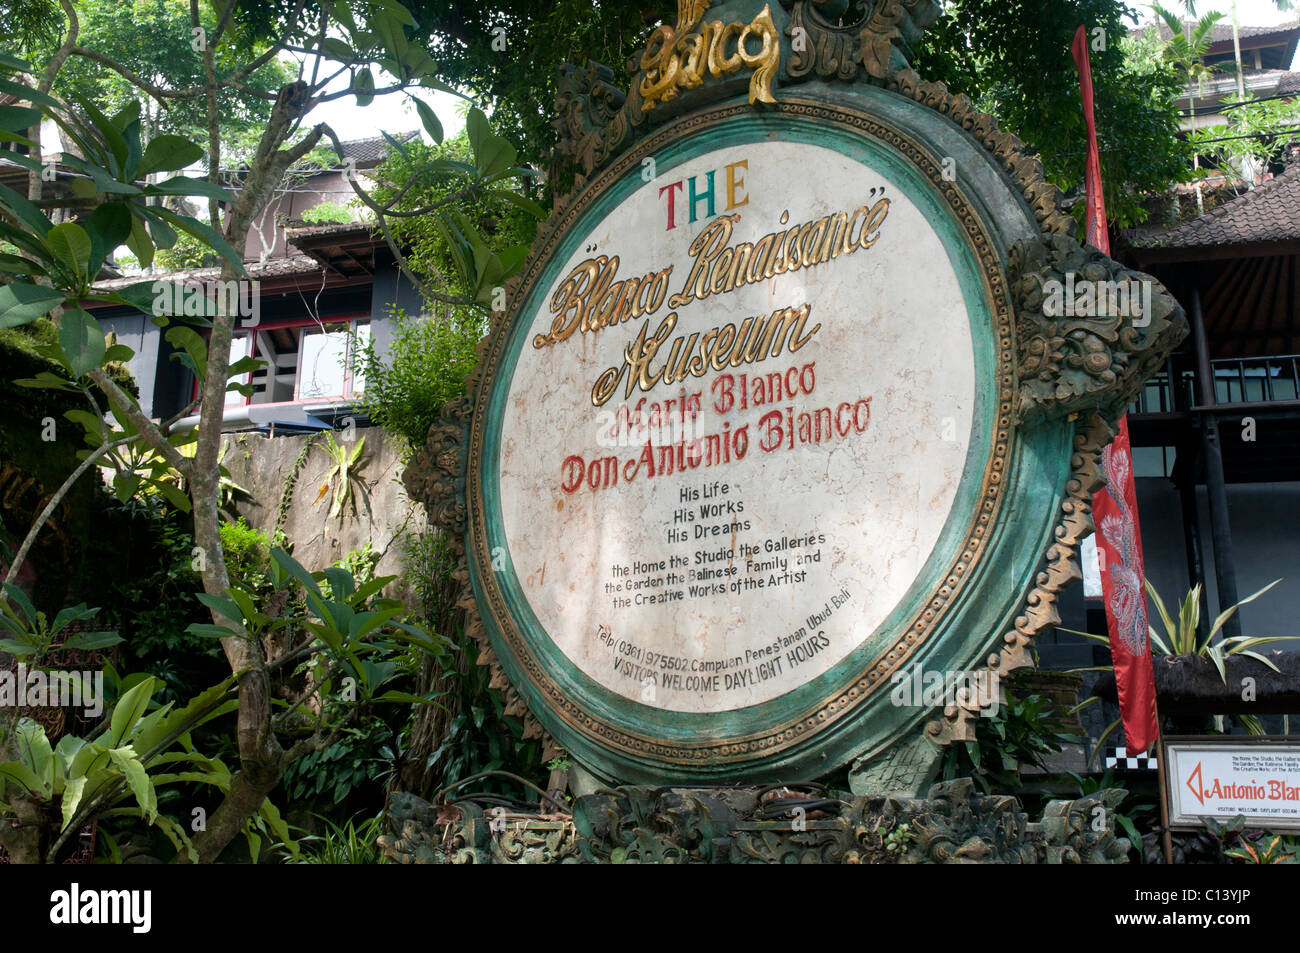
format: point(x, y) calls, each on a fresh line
point(342, 475)
point(1182, 638)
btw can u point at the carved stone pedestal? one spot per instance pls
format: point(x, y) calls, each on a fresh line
point(954, 824)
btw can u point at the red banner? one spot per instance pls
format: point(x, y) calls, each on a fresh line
point(1123, 587)
point(1114, 508)
point(1098, 235)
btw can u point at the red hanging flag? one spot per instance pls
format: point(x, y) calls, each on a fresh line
point(1114, 508)
point(1098, 236)
point(1123, 586)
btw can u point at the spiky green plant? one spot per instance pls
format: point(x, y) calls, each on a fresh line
point(1182, 638)
point(343, 475)
point(347, 843)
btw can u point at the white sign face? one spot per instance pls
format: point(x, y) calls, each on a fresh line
point(1221, 781)
point(737, 427)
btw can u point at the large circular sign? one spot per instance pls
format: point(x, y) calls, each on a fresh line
point(719, 414)
point(738, 448)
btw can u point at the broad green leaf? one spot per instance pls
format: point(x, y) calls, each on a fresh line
point(389, 30)
point(208, 631)
point(104, 181)
point(139, 242)
point(15, 265)
point(125, 486)
point(431, 82)
point(406, 698)
point(82, 340)
point(21, 303)
point(23, 210)
point(168, 153)
point(519, 201)
point(184, 185)
point(340, 581)
point(36, 752)
point(193, 345)
point(222, 606)
point(295, 569)
point(108, 227)
point(254, 843)
point(364, 84)
point(337, 49)
point(27, 93)
point(130, 708)
point(176, 834)
point(87, 641)
point(271, 814)
point(70, 246)
point(137, 779)
point(19, 118)
point(193, 714)
point(71, 799)
point(162, 234)
point(428, 119)
point(23, 775)
point(46, 381)
point(492, 153)
point(111, 136)
point(203, 233)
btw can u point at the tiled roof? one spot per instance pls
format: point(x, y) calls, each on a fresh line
point(1269, 213)
point(272, 268)
point(330, 229)
point(374, 149)
point(1222, 31)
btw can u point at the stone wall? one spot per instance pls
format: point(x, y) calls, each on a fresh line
point(384, 513)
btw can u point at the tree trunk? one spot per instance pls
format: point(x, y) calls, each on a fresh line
point(261, 758)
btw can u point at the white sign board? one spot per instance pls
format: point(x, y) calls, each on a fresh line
point(742, 417)
point(1221, 781)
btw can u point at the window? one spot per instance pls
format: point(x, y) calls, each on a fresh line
point(306, 360)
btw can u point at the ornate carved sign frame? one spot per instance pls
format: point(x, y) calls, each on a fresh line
point(784, 411)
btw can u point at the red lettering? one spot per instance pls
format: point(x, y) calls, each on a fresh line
point(672, 205)
point(573, 471)
point(722, 396)
point(860, 406)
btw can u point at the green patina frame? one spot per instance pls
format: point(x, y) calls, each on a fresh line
point(990, 550)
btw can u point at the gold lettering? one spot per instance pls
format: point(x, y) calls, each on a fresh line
point(677, 57)
point(875, 218)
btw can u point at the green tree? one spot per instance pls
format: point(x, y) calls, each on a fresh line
point(56, 264)
point(1014, 60)
point(154, 40)
point(509, 52)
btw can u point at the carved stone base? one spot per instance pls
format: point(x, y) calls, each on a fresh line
point(953, 824)
point(905, 769)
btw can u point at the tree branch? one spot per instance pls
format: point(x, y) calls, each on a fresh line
point(148, 430)
point(402, 263)
point(135, 79)
point(35, 184)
